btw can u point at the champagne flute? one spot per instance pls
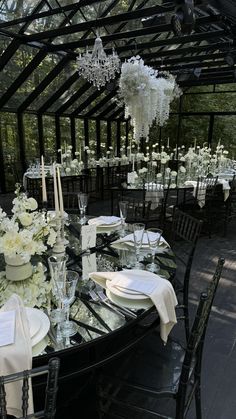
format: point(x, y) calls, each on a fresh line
point(123, 206)
point(66, 290)
point(57, 267)
point(83, 202)
point(154, 237)
point(138, 231)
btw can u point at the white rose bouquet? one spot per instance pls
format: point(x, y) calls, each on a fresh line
point(26, 232)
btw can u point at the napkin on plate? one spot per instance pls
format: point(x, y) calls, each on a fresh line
point(17, 356)
point(104, 220)
point(158, 289)
point(129, 239)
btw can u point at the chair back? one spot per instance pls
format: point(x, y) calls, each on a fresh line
point(206, 188)
point(185, 234)
point(191, 367)
point(138, 210)
point(49, 410)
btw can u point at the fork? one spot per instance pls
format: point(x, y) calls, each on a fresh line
point(97, 299)
point(124, 310)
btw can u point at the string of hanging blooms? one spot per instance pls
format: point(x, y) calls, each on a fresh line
point(146, 94)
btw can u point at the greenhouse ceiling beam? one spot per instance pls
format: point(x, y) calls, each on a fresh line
point(33, 64)
point(207, 82)
point(115, 114)
point(43, 84)
point(187, 50)
point(86, 86)
point(175, 40)
point(55, 96)
point(101, 103)
point(62, 89)
point(106, 111)
point(184, 60)
point(179, 67)
point(51, 12)
point(87, 102)
point(15, 43)
point(101, 22)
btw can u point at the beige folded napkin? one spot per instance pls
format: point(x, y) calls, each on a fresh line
point(104, 220)
point(158, 289)
point(17, 356)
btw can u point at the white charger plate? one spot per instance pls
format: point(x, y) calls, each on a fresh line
point(129, 302)
point(44, 324)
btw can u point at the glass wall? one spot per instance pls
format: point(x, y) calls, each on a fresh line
point(49, 134)
point(32, 153)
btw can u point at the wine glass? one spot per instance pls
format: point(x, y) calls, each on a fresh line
point(57, 267)
point(154, 237)
point(66, 291)
point(138, 231)
point(83, 202)
point(123, 206)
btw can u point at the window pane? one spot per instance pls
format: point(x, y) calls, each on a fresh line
point(31, 138)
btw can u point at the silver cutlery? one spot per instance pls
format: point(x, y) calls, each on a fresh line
point(124, 310)
point(97, 299)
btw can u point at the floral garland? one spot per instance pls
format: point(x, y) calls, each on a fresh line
point(146, 96)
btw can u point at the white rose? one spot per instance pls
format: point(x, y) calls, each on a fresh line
point(182, 169)
point(32, 203)
point(26, 219)
point(77, 153)
point(68, 170)
point(163, 161)
point(159, 175)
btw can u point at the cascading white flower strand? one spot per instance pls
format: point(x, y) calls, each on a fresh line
point(146, 95)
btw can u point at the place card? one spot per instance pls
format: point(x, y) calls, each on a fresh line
point(89, 264)
point(7, 327)
point(88, 236)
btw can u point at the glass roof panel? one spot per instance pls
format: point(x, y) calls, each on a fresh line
point(82, 98)
point(58, 81)
point(68, 94)
point(33, 80)
point(15, 66)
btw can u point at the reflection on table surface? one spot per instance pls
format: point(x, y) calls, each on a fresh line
point(95, 316)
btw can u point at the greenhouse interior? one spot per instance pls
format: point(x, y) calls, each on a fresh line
point(117, 209)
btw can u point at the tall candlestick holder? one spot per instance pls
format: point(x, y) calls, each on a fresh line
point(59, 246)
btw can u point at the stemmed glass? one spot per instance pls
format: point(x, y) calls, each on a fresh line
point(83, 202)
point(154, 237)
point(57, 267)
point(66, 291)
point(123, 206)
point(138, 231)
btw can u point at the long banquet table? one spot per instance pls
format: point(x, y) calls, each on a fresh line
point(104, 332)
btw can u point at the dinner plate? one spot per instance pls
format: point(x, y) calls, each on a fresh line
point(127, 294)
point(44, 325)
point(118, 223)
point(40, 346)
point(129, 303)
point(34, 321)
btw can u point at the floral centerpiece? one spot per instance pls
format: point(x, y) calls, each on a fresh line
point(25, 234)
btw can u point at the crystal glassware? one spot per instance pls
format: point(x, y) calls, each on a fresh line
point(138, 231)
point(83, 202)
point(67, 293)
point(57, 267)
point(154, 237)
point(123, 207)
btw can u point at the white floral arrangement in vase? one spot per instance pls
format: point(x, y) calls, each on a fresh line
point(24, 234)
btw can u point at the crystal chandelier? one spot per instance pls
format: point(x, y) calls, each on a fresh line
point(97, 67)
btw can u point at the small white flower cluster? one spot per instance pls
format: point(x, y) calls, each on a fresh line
point(27, 232)
point(34, 291)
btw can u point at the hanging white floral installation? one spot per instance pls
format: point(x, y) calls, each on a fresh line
point(146, 94)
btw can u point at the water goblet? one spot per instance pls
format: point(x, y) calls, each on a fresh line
point(138, 231)
point(123, 207)
point(154, 237)
point(67, 292)
point(57, 267)
point(83, 202)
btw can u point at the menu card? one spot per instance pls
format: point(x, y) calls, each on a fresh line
point(7, 327)
point(88, 236)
